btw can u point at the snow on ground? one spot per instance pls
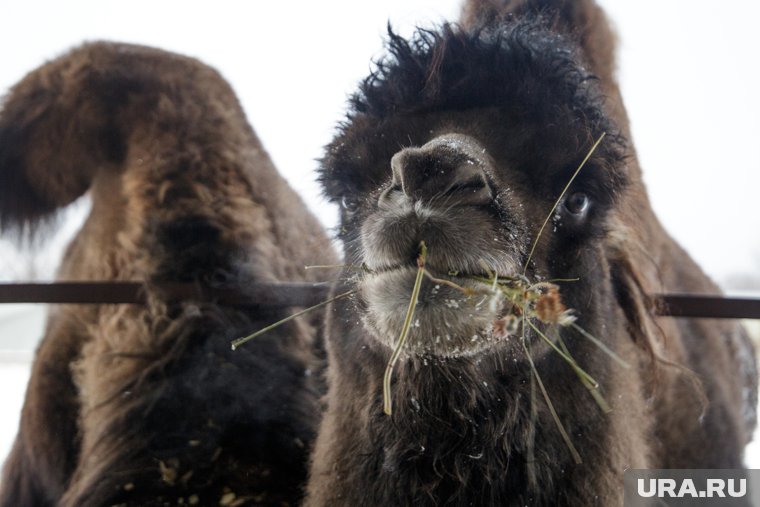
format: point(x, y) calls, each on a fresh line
point(21, 326)
point(13, 379)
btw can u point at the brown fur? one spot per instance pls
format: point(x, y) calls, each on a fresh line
point(148, 405)
point(650, 262)
point(516, 97)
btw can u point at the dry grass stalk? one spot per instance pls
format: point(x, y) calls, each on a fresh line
point(555, 416)
point(559, 199)
point(240, 341)
point(387, 402)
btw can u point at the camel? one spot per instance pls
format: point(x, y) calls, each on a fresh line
point(148, 405)
point(486, 167)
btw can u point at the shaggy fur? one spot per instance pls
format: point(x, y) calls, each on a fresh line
point(504, 108)
point(131, 405)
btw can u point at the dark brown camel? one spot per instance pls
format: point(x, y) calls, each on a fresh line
point(465, 138)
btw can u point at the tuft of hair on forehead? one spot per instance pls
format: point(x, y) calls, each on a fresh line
point(454, 69)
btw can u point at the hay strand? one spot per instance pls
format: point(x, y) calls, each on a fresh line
point(578, 370)
point(561, 195)
point(387, 401)
point(604, 348)
point(240, 341)
point(592, 389)
point(555, 416)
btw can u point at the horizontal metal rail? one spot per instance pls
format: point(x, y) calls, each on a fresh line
point(295, 294)
point(714, 307)
point(280, 294)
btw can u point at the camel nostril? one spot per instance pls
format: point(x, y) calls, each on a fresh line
point(447, 167)
point(465, 188)
point(473, 184)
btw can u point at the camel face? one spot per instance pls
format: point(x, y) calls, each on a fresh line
point(473, 170)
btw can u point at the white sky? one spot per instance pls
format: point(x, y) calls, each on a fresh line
point(689, 74)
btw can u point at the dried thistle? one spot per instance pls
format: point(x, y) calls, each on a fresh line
point(549, 307)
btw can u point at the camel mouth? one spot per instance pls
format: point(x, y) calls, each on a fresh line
point(437, 272)
point(455, 309)
point(453, 316)
point(449, 256)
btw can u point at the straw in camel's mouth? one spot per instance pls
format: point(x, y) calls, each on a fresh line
point(453, 315)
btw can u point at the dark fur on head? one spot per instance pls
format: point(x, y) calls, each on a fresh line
point(135, 405)
point(458, 71)
point(451, 69)
point(464, 138)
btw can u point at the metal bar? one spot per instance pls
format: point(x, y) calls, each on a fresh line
point(710, 307)
point(257, 294)
point(285, 294)
point(72, 292)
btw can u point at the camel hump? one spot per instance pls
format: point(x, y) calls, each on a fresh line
point(582, 20)
point(84, 112)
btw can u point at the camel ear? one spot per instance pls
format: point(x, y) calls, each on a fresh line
point(634, 297)
point(630, 290)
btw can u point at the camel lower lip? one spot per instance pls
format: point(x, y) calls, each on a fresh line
point(403, 277)
point(446, 275)
point(435, 283)
point(451, 316)
point(437, 288)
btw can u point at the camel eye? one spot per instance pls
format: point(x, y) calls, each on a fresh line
point(577, 203)
point(349, 203)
